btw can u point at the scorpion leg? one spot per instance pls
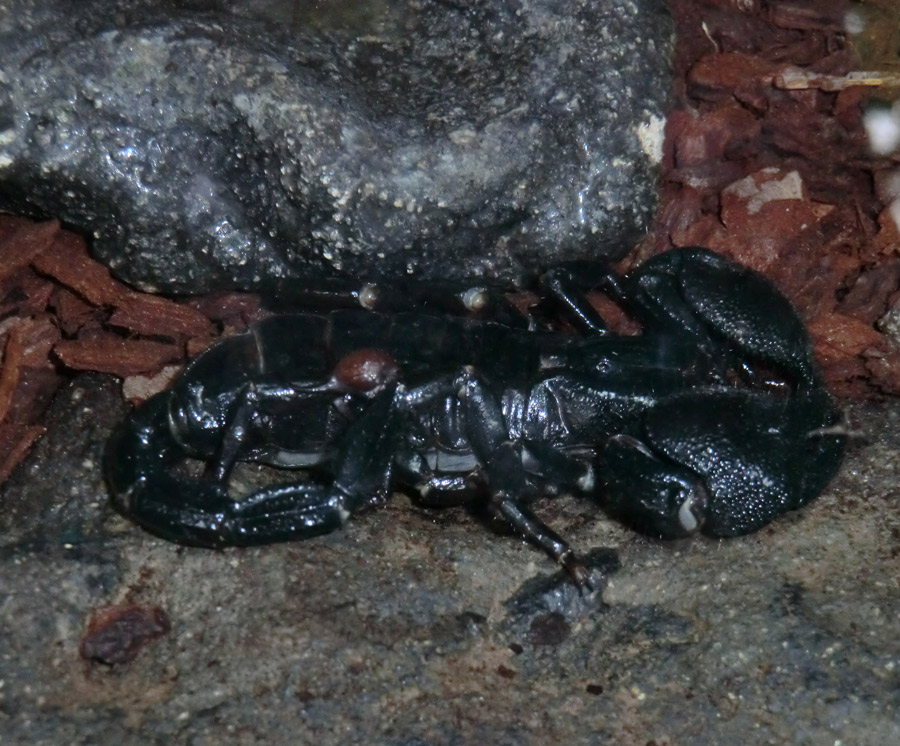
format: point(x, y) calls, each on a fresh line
point(362, 470)
point(509, 501)
point(567, 285)
point(248, 424)
point(241, 420)
point(502, 461)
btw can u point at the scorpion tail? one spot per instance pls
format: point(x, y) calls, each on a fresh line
point(139, 470)
point(136, 467)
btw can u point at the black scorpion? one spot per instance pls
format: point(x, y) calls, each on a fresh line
point(714, 419)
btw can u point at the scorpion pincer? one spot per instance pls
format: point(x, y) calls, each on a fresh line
point(714, 419)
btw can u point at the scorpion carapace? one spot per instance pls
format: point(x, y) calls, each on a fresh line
point(714, 419)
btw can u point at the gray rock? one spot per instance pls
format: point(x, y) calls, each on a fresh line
point(219, 143)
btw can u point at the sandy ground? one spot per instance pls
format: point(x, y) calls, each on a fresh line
point(417, 627)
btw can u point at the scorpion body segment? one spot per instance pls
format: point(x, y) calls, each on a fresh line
point(714, 419)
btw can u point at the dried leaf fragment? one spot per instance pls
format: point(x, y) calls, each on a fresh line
point(116, 634)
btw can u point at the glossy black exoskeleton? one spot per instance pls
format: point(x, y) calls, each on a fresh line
point(714, 419)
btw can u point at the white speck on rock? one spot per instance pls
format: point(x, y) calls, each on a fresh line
point(651, 135)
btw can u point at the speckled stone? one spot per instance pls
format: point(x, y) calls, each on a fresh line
point(208, 144)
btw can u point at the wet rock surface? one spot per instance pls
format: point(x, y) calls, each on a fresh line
point(424, 627)
point(217, 144)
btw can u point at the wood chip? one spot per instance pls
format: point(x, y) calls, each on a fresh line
point(796, 79)
point(22, 240)
point(137, 389)
point(68, 262)
point(13, 351)
point(838, 336)
point(722, 76)
point(15, 443)
point(72, 311)
point(40, 335)
point(809, 15)
point(153, 315)
point(32, 396)
point(110, 353)
point(227, 307)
